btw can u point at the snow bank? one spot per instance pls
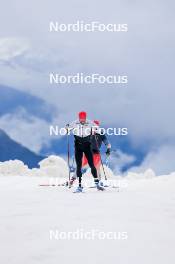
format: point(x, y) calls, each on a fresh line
point(148, 174)
point(53, 166)
point(13, 167)
point(56, 167)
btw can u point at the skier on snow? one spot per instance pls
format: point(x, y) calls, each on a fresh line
point(96, 142)
point(82, 130)
point(97, 138)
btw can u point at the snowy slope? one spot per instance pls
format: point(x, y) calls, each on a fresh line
point(144, 209)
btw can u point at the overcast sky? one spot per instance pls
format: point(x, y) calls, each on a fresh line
point(28, 53)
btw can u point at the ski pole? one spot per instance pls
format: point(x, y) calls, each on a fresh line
point(103, 168)
point(100, 158)
point(68, 154)
point(107, 162)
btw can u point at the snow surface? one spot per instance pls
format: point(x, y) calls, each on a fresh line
point(144, 208)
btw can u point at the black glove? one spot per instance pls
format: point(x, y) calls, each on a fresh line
point(108, 152)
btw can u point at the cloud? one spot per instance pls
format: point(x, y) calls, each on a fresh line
point(11, 48)
point(146, 54)
point(30, 132)
point(118, 160)
point(160, 160)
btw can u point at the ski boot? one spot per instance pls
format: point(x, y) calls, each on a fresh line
point(79, 189)
point(101, 183)
point(99, 186)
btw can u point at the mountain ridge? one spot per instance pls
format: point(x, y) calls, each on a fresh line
point(11, 150)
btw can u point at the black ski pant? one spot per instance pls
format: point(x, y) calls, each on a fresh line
point(85, 148)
